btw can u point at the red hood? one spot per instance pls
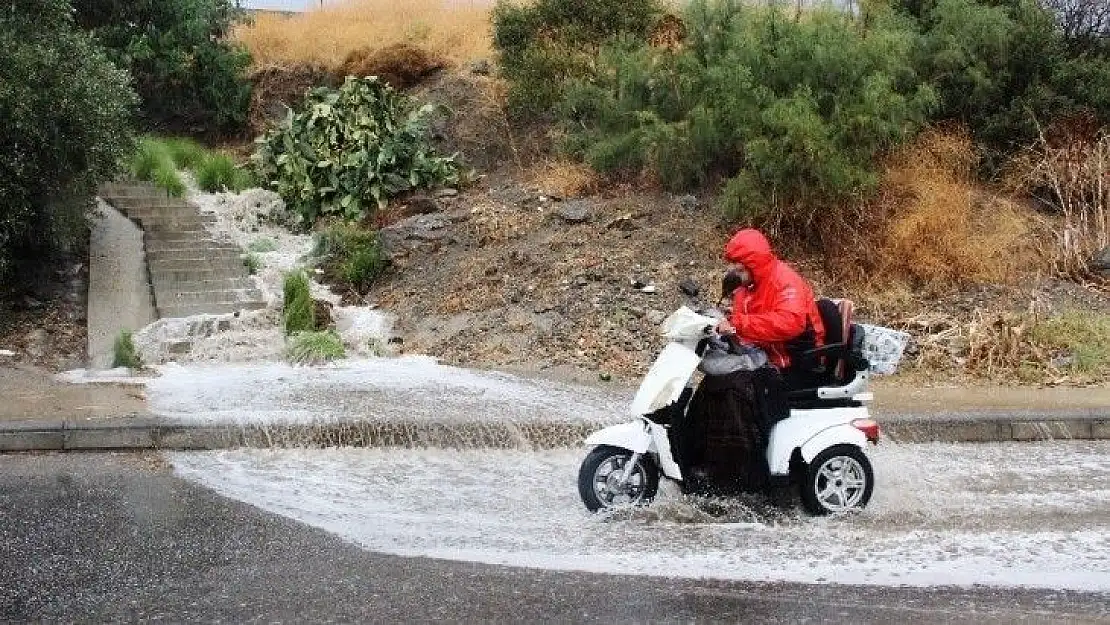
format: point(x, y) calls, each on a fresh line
point(751, 248)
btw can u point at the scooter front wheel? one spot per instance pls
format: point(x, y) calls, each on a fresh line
point(601, 484)
point(839, 479)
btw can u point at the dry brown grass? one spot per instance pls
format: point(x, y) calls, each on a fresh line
point(402, 65)
point(456, 30)
point(564, 178)
point(1068, 170)
point(935, 227)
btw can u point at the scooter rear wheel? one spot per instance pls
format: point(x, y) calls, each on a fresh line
point(599, 479)
point(839, 480)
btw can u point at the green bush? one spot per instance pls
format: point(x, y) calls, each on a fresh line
point(167, 178)
point(124, 353)
point(792, 113)
point(347, 151)
point(150, 156)
point(154, 161)
point(314, 347)
point(263, 245)
point(545, 44)
point(186, 153)
point(252, 263)
point(298, 313)
point(190, 77)
point(1001, 67)
point(66, 113)
point(351, 255)
point(219, 173)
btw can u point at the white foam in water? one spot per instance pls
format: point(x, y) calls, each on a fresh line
point(119, 375)
point(1003, 515)
point(407, 387)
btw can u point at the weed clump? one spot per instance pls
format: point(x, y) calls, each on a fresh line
point(297, 308)
point(350, 255)
point(124, 353)
point(314, 347)
point(217, 172)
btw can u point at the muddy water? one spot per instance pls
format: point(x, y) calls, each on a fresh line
point(1014, 514)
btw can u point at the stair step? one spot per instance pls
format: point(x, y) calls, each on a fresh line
point(207, 297)
point(215, 284)
point(212, 309)
point(201, 253)
point(200, 274)
point(193, 264)
point(191, 244)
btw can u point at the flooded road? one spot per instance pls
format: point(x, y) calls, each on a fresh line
point(1034, 515)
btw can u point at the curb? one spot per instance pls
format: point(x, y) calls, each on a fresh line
point(152, 433)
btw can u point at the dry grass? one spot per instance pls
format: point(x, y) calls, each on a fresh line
point(935, 227)
point(1069, 171)
point(564, 178)
point(456, 30)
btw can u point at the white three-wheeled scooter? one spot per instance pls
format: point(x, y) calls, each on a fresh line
point(819, 448)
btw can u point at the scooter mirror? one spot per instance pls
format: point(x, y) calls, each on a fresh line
point(689, 288)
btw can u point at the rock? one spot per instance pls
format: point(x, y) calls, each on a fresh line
point(480, 67)
point(1062, 362)
point(35, 343)
point(322, 313)
point(1101, 263)
point(656, 317)
point(650, 288)
point(687, 202)
point(580, 281)
point(421, 205)
point(605, 376)
point(448, 192)
point(624, 222)
point(179, 348)
point(574, 212)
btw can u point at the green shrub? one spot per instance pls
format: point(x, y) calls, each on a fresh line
point(218, 172)
point(166, 177)
point(347, 151)
point(124, 353)
point(151, 155)
point(263, 245)
point(298, 313)
point(190, 77)
point(186, 153)
point(351, 255)
point(545, 44)
point(314, 347)
point(252, 263)
point(1003, 66)
point(792, 113)
point(66, 113)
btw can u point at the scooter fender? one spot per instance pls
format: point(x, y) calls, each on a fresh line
point(812, 432)
point(639, 438)
point(632, 436)
point(837, 435)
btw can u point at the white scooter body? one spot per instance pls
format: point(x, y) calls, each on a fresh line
point(808, 431)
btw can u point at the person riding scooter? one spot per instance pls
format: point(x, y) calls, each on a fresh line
point(723, 435)
point(773, 307)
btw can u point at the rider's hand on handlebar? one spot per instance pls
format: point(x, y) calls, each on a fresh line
point(724, 327)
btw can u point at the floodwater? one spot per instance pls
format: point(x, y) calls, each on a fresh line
point(1033, 514)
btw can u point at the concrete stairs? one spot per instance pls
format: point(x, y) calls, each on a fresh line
point(190, 272)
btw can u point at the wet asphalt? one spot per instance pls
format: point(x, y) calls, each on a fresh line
point(119, 538)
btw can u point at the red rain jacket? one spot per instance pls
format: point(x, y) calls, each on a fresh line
point(777, 312)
